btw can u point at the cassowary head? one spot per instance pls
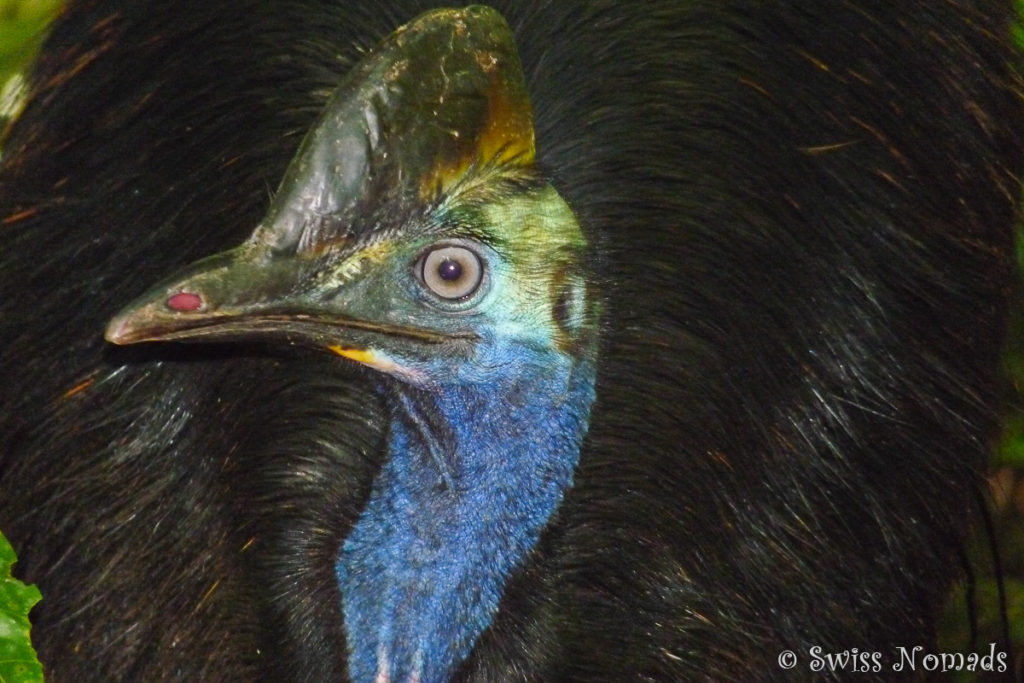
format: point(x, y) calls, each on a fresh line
point(413, 233)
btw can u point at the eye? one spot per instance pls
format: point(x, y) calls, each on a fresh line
point(451, 272)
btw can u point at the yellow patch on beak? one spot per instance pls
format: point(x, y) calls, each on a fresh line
point(358, 355)
point(379, 362)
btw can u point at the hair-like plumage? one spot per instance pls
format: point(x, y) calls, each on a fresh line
point(801, 215)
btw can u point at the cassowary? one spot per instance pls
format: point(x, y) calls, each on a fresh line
point(412, 234)
point(623, 341)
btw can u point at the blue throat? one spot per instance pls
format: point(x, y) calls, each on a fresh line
point(474, 473)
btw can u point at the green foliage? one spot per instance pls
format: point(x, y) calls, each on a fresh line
point(18, 662)
point(21, 29)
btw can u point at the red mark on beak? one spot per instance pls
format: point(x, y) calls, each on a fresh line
point(184, 301)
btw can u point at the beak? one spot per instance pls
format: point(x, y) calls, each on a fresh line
point(245, 295)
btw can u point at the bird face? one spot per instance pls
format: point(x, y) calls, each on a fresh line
point(455, 294)
point(411, 233)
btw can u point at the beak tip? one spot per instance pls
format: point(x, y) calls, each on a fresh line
point(116, 332)
point(129, 326)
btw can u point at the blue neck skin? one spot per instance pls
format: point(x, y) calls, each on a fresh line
point(475, 471)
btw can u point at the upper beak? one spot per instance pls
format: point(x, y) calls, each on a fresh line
point(238, 295)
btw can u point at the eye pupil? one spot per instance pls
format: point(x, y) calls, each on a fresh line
point(451, 271)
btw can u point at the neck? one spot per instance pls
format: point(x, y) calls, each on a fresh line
point(474, 473)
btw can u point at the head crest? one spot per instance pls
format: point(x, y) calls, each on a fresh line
point(442, 95)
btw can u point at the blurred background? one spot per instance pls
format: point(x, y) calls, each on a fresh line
point(22, 29)
point(973, 614)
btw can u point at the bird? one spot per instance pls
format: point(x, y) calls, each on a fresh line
point(578, 341)
point(412, 234)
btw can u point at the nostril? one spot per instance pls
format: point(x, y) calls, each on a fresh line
point(184, 301)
